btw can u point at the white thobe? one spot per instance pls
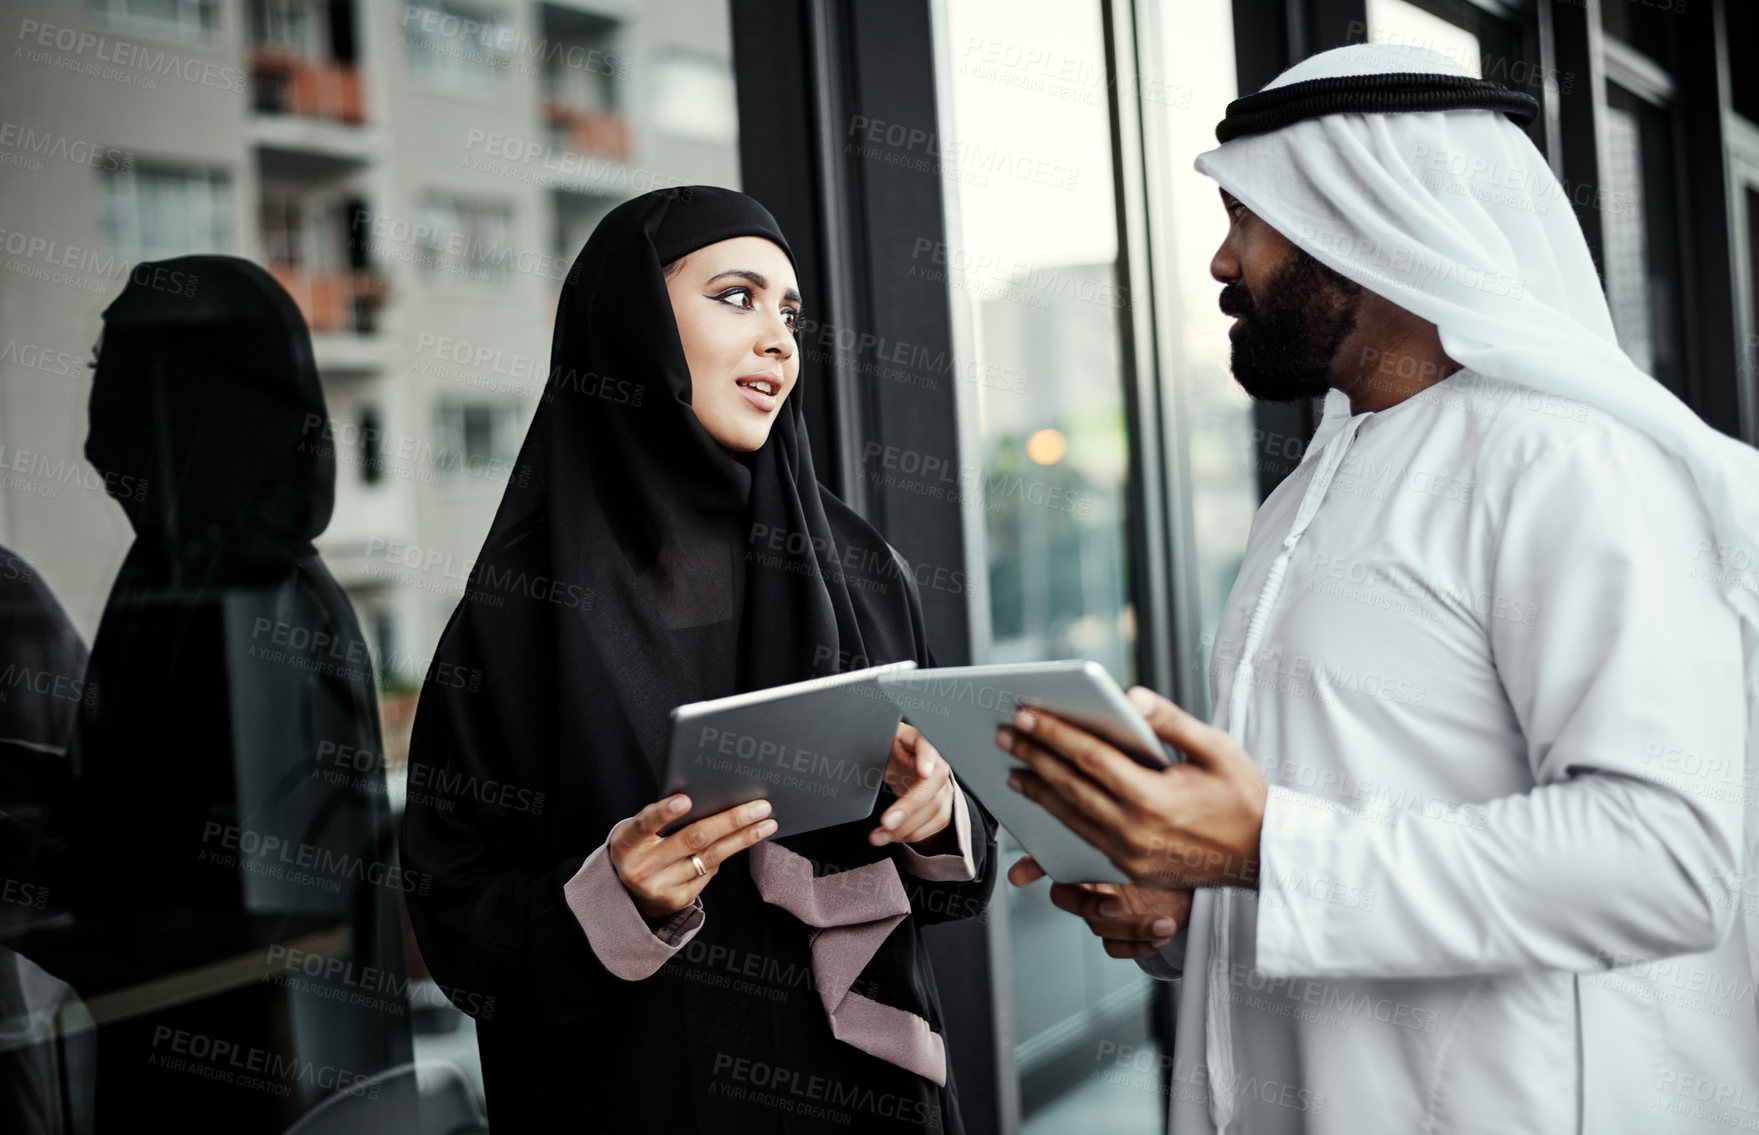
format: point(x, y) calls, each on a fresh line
point(1482, 662)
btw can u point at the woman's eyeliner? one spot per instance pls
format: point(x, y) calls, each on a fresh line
point(791, 314)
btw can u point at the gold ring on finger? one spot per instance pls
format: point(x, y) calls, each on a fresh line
point(696, 861)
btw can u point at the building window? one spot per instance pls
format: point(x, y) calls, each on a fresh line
point(582, 67)
point(1402, 24)
point(477, 440)
point(286, 25)
point(182, 19)
point(695, 99)
point(466, 239)
point(371, 429)
point(1647, 25)
point(1639, 238)
point(454, 48)
point(151, 213)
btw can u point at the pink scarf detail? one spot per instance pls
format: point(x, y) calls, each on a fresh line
point(851, 913)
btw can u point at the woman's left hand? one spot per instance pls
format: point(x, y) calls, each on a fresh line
point(923, 783)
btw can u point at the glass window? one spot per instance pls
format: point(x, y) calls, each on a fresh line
point(1639, 249)
point(155, 212)
point(1188, 81)
point(185, 19)
point(384, 638)
point(694, 99)
point(466, 240)
point(476, 440)
point(1743, 28)
point(1032, 260)
point(1648, 25)
point(445, 388)
point(454, 48)
point(1401, 22)
point(287, 25)
point(581, 62)
point(371, 428)
point(1747, 261)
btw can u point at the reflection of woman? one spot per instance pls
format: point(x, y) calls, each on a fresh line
point(203, 739)
point(664, 542)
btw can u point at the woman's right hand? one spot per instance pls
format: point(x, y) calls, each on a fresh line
point(657, 870)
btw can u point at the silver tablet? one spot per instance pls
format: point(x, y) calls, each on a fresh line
point(958, 708)
point(817, 750)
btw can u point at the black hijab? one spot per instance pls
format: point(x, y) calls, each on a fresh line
point(202, 416)
point(211, 707)
point(663, 544)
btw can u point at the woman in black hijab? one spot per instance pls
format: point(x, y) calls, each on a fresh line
point(214, 848)
point(669, 543)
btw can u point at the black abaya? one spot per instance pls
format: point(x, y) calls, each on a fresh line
point(641, 566)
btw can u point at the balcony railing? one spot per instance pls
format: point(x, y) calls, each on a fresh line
point(589, 131)
point(287, 83)
point(334, 301)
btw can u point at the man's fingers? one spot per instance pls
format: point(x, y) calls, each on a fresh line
point(1025, 870)
point(1078, 900)
point(1034, 788)
point(703, 834)
point(1102, 763)
point(1196, 739)
point(1135, 928)
point(1124, 949)
point(646, 824)
point(1069, 783)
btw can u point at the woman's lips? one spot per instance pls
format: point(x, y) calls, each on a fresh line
point(752, 390)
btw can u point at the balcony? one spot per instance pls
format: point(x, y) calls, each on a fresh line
point(283, 82)
point(595, 132)
point(334, 301)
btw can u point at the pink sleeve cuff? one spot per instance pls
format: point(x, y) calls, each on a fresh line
point(619, 935)
point(950, 867)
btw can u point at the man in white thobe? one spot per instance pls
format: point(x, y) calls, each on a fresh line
point(1470, 838)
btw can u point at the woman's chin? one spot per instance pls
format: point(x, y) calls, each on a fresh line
point(745, 440)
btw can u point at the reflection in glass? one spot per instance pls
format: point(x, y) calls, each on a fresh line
point(1400, 22)
point(1032, 257)
point(1224, 455)
point(1637, 212)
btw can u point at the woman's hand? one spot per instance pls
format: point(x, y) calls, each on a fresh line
point(923, 783)
point(1133, 922)
point(657, 870)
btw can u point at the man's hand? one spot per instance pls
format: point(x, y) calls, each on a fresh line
point(1195, 824)
point(1133, 922)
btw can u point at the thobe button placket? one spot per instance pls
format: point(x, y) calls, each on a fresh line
point(1218, 1032)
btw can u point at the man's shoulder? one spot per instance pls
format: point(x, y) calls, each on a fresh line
point(1542, 443)
point(1523, 427)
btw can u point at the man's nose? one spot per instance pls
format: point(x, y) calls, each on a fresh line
point(1224, 266)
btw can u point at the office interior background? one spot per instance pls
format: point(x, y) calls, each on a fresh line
point(1013, 359)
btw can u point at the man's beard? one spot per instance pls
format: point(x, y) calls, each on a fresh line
point(1288, 338)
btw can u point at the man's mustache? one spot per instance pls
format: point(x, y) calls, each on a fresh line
point(1235, 301)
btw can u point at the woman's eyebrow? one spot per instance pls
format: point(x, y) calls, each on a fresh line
point(756, 279)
